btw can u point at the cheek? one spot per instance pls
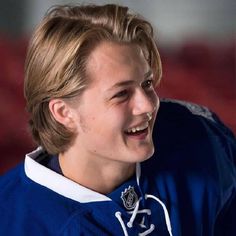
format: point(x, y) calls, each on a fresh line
point(154, 99)
point(84, 124)
point(103, 124)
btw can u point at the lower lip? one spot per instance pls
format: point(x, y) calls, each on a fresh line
point(139, 136)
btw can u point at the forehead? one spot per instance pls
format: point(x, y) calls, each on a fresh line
point(111, 62)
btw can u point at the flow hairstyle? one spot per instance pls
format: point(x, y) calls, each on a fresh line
point(57, 55)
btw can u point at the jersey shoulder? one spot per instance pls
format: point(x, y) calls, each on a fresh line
point(33, 208)
point(10, 180)
point(188, 107)
point(189, 121)
point(189, 139)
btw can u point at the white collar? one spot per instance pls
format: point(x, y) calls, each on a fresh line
point(58, 183)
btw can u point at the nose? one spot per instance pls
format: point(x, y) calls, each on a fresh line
point(145, 102)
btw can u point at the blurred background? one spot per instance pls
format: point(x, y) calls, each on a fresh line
point(197, 42)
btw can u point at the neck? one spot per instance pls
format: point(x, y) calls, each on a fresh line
point(98, 174)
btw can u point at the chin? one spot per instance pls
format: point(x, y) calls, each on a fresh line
point(145, 156)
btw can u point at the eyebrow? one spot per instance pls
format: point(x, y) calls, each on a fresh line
point(148, 74)
point(129, 82)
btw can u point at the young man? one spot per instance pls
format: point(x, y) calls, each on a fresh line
point(90, 80)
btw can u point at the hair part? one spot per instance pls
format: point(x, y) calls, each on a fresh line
point(57, 56)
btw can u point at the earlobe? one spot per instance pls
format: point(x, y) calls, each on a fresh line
point(61, 112)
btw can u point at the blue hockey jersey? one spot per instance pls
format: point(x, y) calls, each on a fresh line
point(187, 188)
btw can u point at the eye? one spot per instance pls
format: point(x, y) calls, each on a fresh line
point(122, 94)
point(147, 84)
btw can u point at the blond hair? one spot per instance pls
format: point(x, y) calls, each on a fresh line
point(57, 56)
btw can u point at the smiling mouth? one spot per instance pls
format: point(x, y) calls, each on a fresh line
point(141, 129)
point(137, 128)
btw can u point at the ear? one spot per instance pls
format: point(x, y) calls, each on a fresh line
point(61, 112)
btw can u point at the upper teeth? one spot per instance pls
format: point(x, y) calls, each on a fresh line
point(138, 128)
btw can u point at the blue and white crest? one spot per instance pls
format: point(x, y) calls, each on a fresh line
point(129, 198)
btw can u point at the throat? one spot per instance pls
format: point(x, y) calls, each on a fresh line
point(102, 178)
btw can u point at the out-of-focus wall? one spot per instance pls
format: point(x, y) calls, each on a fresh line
point(12, 17)
point(175, 20)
